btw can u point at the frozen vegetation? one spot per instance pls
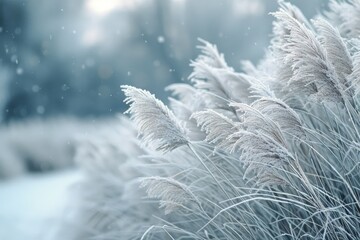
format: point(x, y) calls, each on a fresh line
point(267, 151)
point(271, 152)
point(43, 146)
point(38, 145)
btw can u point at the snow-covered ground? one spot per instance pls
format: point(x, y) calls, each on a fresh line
point(34, 207)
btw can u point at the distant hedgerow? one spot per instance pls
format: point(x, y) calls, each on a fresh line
point(272, 152)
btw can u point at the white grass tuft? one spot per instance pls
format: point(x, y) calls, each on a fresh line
point(157, 125)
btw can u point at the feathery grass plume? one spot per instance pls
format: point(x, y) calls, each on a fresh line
point(187, 100)
point(217, 127)
point(183, 112)
point(263, 157)
point(284, 71)
point(336, 50)
point(262, 135)
point(271, 116)
point(346, 16)
point(282, 114)
point(268, 126)
point(172, 193)
point(310, 64)
point(354, 77)
point(185, 92)
point(260, 86)
point(261, 78)
point(211, 55)
point(157, 125)
point(219, 82)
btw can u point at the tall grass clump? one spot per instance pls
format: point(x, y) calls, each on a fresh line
point(272, 152)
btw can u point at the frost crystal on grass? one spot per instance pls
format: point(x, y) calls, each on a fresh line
point(157, 125)
point(172, 193)
point(217, 127)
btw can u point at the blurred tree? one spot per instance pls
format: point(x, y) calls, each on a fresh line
point(70, 57)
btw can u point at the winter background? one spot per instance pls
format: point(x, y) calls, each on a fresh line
point(61, 67)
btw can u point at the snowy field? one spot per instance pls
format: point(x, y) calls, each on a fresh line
point(34, 207)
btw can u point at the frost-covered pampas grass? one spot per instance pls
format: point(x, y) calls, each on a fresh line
point(156, 123)
point(269, 153)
